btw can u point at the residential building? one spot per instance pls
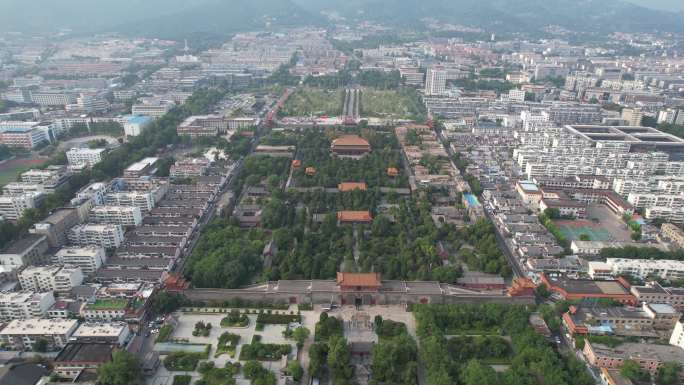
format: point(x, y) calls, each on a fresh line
point(89, 259)
point(60, 279)
point(110, 332)
point(579, 289)
point(649, 356)
point(435, 81)
point(106, 309)
point(26, 136)
point(105, 236)
point(633, 116)
point(85, 156)
point(95, 191)
point(24, 304)
point(12, 207)
point(671, 116)
point(28, 250)
point(154, 109)
point(644, 268)
point(677, 338)
point(52, 98)
point(116, 215)
point(141, 168)
point(652, 292)
point(621, 321)
point(664, 317)
point(136, 124)
point(77, 356)
point(673, 233)
point(22, 334)
point(56, 226)
point(144, 201)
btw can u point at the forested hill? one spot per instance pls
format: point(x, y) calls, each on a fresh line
point(177, 18)
point(157, 18)
point(508, 15)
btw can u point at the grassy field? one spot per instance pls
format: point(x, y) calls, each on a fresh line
point(313, 101)
point(10, 169)
point(401, 104)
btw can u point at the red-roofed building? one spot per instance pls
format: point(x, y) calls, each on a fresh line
point(350, 145)
point(354, 217)
point(350, 186)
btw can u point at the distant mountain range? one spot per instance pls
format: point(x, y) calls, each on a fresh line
point(176, 18)
point(510, 15)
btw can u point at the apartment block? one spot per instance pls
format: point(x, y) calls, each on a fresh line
point(677, 338)
point(142, 200)
point(644, 268)
point(649, 356)
point(88, 259)
point(56, 278)
point(23, 334)
point(56, 226)
point(652, 292)
point(85, 156)
point(24, 304)
point(105, 236)
point(12, 207)
point(673, 233)
point(116, 215)
point(28, 250)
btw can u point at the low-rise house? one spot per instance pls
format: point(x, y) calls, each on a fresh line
point(110, 332)
point(76, 357)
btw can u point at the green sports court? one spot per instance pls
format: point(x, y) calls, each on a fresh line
point(572, 230)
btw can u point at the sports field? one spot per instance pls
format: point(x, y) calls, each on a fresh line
point(573, 230)
point(10, 169)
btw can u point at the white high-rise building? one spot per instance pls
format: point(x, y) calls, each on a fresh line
point(435, 81)
point(50, 278)
point(12, 207)
point(143, 200)
point(116, 215)
point(106, 236)
point(677, 338)
point(87, 156)
point(89, 259)
point(24, 304)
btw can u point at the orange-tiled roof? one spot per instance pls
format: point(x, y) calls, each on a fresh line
point(354, 216)
point(296, 163)
point(392, 171)
point(349, 186)
point(350, 140)
point(358, 279)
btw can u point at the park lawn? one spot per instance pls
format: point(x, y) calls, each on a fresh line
point(313, 101)
point(389, 104)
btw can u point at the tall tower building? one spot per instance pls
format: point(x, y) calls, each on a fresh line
point(435, 81)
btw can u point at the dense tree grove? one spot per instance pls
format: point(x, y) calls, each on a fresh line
point(314, 147)
point(225, 256)
point(123, 369)
point(533, 360)
point(394, 359)
point(329, 357)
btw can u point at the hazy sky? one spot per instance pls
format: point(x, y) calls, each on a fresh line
point(676, 5)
